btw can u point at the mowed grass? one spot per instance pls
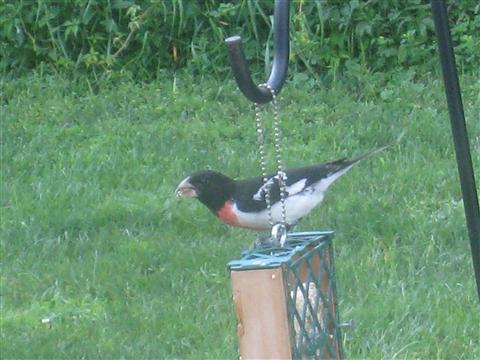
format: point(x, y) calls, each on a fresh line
point(96, 245)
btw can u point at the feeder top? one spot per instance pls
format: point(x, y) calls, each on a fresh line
point(273, 257)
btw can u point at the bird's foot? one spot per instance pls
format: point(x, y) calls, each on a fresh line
point(265, 241)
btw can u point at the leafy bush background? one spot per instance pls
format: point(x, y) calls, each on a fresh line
point(146, 36)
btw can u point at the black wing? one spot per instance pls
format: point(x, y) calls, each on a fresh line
point(247, 191)
point(250, 197)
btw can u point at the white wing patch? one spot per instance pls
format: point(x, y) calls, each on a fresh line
point(260, 194)
point(295, 188)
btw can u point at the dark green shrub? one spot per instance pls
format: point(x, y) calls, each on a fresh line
point(145, 36)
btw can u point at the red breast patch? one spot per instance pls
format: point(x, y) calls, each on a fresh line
point(227, 215)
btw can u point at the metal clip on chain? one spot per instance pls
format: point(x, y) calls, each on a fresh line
point(279, 230)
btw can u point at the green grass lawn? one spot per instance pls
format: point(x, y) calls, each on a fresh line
point(94, 240)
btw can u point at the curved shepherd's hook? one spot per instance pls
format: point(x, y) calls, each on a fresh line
point(280, 58)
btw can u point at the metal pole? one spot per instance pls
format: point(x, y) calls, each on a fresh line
point(459, 132)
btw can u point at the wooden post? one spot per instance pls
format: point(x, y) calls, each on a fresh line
point(259, 298)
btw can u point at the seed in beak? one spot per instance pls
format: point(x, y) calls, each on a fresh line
point(185, 189)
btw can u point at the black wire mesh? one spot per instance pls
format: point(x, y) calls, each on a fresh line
point(311, 302)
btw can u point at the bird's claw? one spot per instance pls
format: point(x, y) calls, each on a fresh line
point(265, 242)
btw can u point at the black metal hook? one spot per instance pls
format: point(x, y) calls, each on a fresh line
point(280, 58)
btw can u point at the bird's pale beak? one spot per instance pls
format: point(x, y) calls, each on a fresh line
point(185, 189)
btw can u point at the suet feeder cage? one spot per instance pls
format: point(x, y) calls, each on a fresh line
point(285, 300)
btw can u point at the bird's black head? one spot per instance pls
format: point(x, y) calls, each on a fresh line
point(210, 187)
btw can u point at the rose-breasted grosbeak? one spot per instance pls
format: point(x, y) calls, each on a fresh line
point(242, 202)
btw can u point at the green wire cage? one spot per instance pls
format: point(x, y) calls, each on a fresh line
point(285, 300)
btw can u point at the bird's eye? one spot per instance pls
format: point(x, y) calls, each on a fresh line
point(201, 182)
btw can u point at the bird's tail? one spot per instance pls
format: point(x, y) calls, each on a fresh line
point(351, 161)
point(341, 166)
point(374, 150)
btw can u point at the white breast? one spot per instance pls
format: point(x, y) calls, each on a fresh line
point(297, 206)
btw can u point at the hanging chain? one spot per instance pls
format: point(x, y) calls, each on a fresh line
point(263, 161)
point(281, 176)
